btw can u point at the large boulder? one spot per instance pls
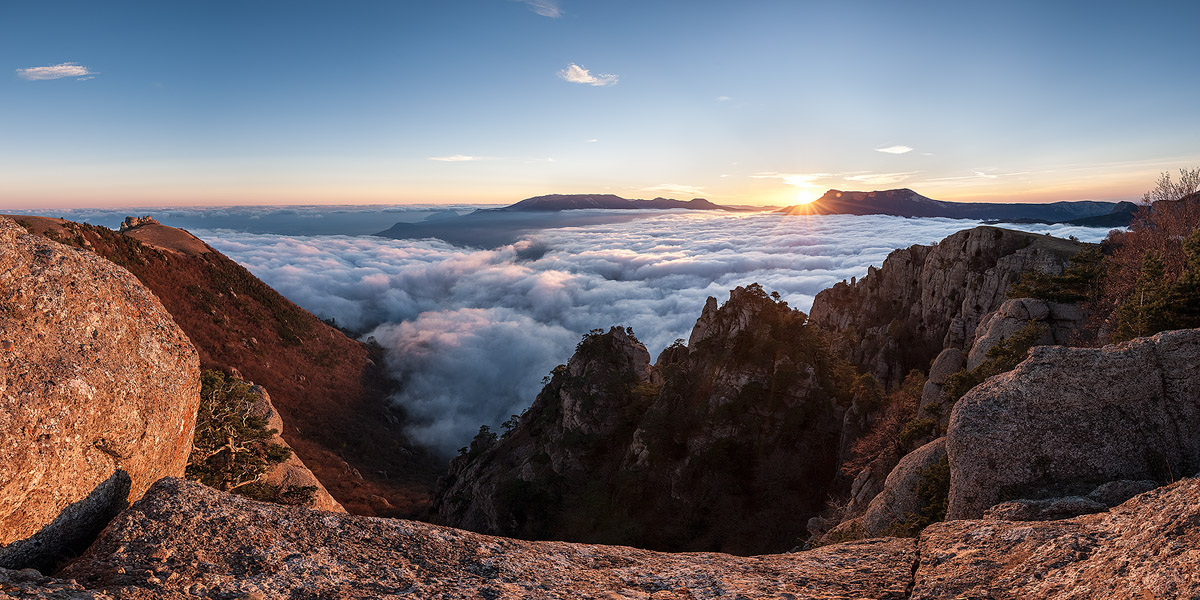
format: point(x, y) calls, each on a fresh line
point(905, 498)
point(98, 395)
point(232, 547)
point(1069, 419)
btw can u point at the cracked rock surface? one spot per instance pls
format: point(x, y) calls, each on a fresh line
point(184, 538)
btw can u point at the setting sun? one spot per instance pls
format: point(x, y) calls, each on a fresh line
point(807, 196)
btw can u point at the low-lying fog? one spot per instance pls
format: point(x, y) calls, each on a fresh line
point(471, 333)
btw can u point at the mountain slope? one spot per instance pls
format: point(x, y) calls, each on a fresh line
point(328, 388)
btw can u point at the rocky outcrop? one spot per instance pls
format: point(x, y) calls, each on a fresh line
point(904, 498)
point(935, 402)
point(1062, 322)
point(927, 298)
point(1060, 325)
point(1145, 548)
point(290, 473)
point(729, 443)
point(332, 390)
point(236, 548)
point(1067, 420)
point(133, 222)
point(98, 395)
point(232, 547)
point(1101, 499)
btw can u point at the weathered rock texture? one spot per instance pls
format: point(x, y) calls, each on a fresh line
point(330, 389)
point(729, 444)
point(98, 395)
point(1145, 548)
point(237, 548)
point(900, 499)
point(1062, 321)
point(1069, 419)
point(291, 472)
point(184, 540)
point(927, 298)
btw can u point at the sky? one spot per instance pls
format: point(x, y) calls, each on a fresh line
point(491, 101)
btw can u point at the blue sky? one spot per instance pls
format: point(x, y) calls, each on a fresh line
point(186, 103)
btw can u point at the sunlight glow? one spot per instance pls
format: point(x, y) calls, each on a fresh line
point(807, 196)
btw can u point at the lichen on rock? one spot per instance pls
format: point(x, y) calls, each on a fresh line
point(98, 395)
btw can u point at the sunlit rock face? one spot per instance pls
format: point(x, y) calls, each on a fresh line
point(927, 298)
point(98, 395)
point(1067, 420)
point(232, 547)
point(236, 548)
point(729, 443)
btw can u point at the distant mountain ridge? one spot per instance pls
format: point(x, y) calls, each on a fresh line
point(907, 203)
point(555, 202)
point(491, 227)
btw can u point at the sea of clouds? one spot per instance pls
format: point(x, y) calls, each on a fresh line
point(470, 333)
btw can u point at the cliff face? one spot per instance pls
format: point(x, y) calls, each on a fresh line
point(729, 443)
point(326, 386)
point(927, 298)
point(98, 395)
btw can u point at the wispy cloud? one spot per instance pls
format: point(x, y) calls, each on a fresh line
point(577, 74)
point(459, 158)
point(591, 141)
point(881, 178)
point(723, 98)
point(894, 149)
point(675, 188)
point(59, 71)
point(546, 8)
point(804, 180)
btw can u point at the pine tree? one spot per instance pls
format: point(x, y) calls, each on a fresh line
point(1148, 309)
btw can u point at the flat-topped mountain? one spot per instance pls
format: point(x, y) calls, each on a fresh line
point(607, 202)
point(498, 226)
point(907, 203)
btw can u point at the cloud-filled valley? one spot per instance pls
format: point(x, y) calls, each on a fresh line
point(470, 333)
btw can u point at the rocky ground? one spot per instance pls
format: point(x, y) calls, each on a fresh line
point(183, 540)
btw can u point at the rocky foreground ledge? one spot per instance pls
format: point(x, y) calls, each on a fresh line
point(183, 540)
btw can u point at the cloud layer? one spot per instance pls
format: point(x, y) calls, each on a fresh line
point(68, 69)
point(577, 74)
point(470, 333)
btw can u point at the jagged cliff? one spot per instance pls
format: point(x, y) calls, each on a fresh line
point(728, 443)
point(927, 298)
